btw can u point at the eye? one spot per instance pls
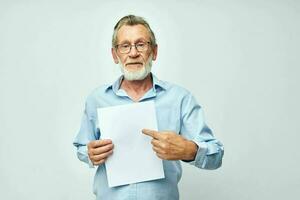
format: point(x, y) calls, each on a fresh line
point(125, 45)
point(140, 44)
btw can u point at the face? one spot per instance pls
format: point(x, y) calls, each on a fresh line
point(134, 65)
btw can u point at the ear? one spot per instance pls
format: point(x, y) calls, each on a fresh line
point(154, 53)
point(114, 55)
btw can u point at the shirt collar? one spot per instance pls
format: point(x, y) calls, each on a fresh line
point(157, 84)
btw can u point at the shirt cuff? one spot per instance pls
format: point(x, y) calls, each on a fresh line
point(200, 155)
point(83, 155)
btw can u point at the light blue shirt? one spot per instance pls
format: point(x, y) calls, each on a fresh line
point(176, 110)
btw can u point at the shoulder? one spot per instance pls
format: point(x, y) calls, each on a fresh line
point(97, 93)
point(176, 89)
point(180, 93)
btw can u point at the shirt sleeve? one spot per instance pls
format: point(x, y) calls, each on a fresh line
point(210, 151)
point(87, 133)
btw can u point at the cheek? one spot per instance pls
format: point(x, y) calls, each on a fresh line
point(145, 58)
point(122, 59)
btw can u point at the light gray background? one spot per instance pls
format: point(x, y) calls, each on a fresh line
point(239, 58)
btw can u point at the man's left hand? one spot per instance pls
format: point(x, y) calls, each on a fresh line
point(171, 146)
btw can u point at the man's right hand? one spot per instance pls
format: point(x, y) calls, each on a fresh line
point(99, 150)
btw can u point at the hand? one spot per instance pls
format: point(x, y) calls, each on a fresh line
point(171, 146)
point(99, 150)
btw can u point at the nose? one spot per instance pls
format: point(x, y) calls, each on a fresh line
point(133, 52)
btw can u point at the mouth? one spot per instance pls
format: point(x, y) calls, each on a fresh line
point(134, 63)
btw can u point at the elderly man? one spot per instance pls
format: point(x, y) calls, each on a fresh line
point(182, 133)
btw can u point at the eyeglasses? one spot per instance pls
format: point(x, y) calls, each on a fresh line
point(126, 47)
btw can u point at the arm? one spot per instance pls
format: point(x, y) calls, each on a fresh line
point(89, 149)
point(210, 151)
point(195, 144)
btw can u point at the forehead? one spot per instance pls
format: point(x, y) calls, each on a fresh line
point(133, 33)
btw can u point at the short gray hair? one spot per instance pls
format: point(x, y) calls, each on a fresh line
point(132, 20)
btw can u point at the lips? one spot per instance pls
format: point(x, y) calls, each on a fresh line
point(134, 63)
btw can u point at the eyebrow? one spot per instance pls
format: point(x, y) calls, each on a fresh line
point(137, 40)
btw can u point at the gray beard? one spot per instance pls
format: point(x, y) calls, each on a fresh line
point(137, 75)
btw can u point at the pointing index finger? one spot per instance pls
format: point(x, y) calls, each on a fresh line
point(151, 133)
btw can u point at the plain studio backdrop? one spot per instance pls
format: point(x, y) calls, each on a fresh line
point(239, 58)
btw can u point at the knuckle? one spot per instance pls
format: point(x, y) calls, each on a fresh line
point(94, 158)
point(99, 158)
point(165, 146)
point(101, 155)
point(105, 149)
point(96, 151)
point(90, 152)
point(168, 147)
point(165, 137)
point(105, 155)
point(108, 147)
point(169, 137)
point(152, 141)
point(161, 156)
point(156, 150)
point(92, 143)
point(101, 142)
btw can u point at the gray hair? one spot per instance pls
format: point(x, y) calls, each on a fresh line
point(132, 20)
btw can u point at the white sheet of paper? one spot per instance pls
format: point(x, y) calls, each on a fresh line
point(133, 159)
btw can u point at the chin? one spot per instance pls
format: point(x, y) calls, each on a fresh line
point(136, 75)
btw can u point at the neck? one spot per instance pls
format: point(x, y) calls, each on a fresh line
point(136, 89)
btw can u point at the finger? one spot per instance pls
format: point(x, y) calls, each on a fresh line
point(161, 156)
point(102, 149)
point(102, 156)
point(159, 144)
point(151, 133)
point(158, 150)
point(99, 162)
point(99, 143)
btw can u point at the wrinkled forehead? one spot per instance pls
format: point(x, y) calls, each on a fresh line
point(133, 33)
